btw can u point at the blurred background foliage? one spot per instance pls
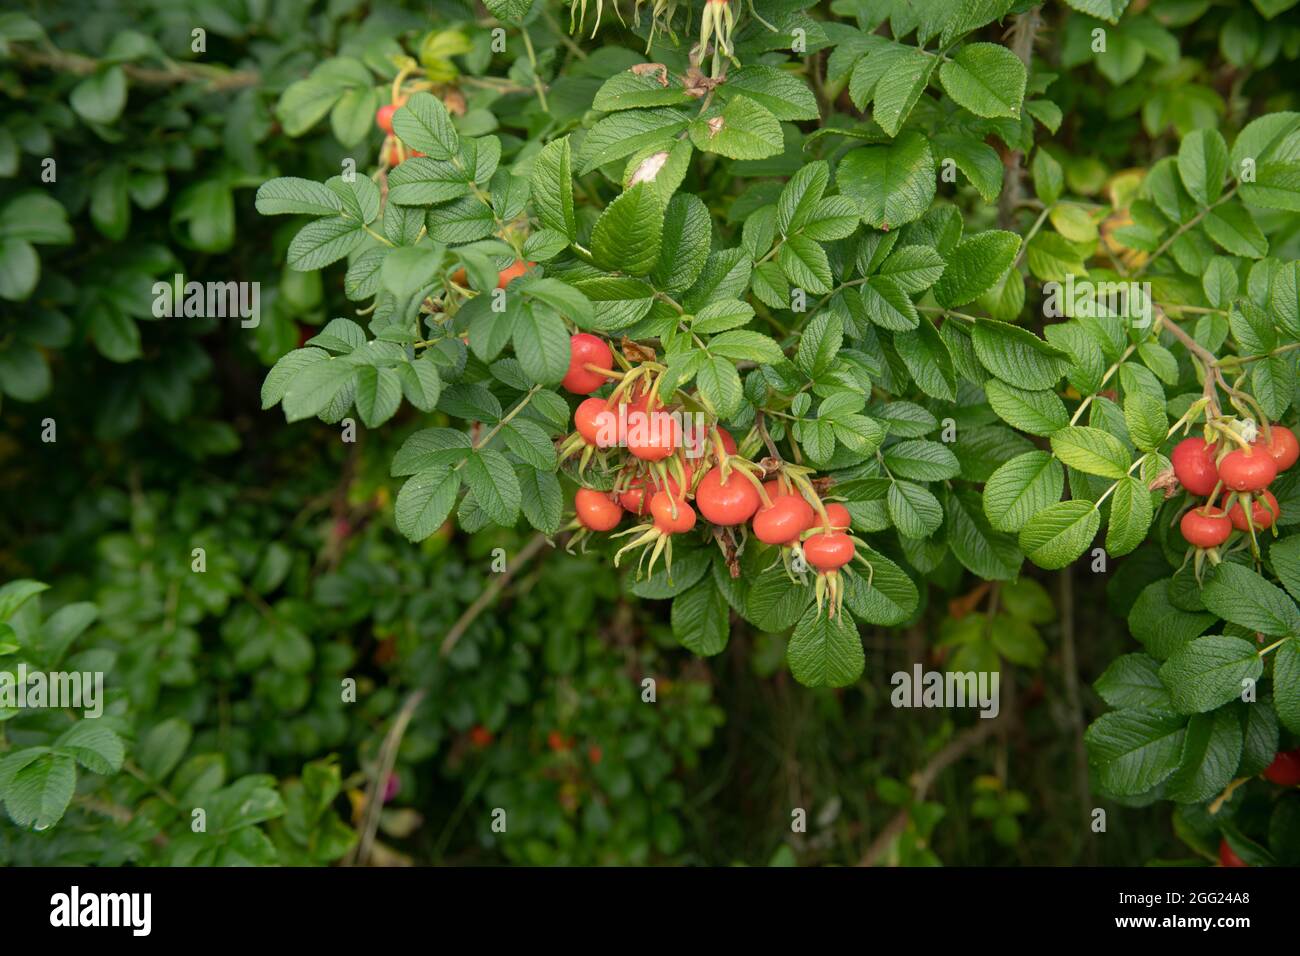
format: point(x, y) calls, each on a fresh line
point(227, 684)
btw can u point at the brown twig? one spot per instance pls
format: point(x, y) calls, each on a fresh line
point(490, 594)
point(924, 778)
point(374, 792)
point(215, 79)
point(1023, 31)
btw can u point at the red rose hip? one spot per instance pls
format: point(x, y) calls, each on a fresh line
point(1194, 465)
point(585, 349)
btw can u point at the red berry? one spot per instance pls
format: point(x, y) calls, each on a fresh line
point(1283, 447)
point(1229, 858)
point(596, 511)
point(596, 423)
point(585, 349)
point(480, 736)
point(1262, 512)
point(827, 552)
point(1246, 469)
point(788, 517)
point(594, 754)
point(555, 740)
point(1285, 769)
point(839, 515)
point(652, 435)
point(662, 506)
point(384, 118)
point(513, 271)
point(1194, 465)
point(729, 502)
point(1206, 527)
point(728, 442)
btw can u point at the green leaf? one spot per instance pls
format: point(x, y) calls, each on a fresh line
point(1134, 751)
point(720, 385)
point(974, 543)
point(928, 360)
point(315, 387)
point(1210, 755)
point(887, 305)
point(800, 195)
point(805, 264)
point(1203, 164)
point(494, 485)
point(541, 343)
point(94, 746)
point(1091, 451)
point(985, 78)
point(541, 499)
point(38, 794)
point(627, 132)
point(530, 442)
point(819, 345)
point(1016, 355)
point(1037, 412)
point(1145, 416)
point(423, 124)
point(899, 89)
point(773, 603)
point(1161, 627)
point(975, 267)
point(1206, 673)
point(701, 619)
point(379, 393)
point(888, 600)
point(100, 97)
point(913, 268)
point(425, 501)
point(1239, 595)
point(1109, 10)
point(629, 233)
point(324, 241)
point(1058, 534)
point(1231, 228)
point(20, 269)
point(785, 96)
point(744, 345)
point(552, 187)
point(1284, 557)
point(685, 246)
point(921, 460)
point(825, 651)
point(743, 129)
point(1022, 487)
point(290, 195)
point(1132, 681)
point(1049, 179)
point(628, 90)
point(1130, 516)
point(913, 510)
point(894, 182)
point(1286, 684)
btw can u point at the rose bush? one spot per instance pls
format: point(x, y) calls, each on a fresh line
point(805, 317)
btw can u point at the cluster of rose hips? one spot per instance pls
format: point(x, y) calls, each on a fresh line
point(1283, 771)
point(659, 483)
point(1242, 475)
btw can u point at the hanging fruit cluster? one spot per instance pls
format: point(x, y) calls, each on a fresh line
point(1233, 476)
point(668, 464)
